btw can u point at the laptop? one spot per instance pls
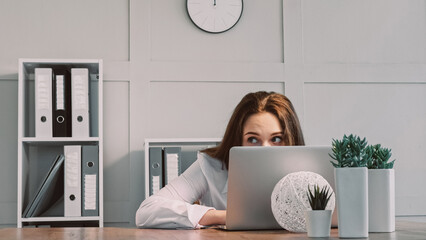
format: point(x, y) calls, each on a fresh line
point(254, 172)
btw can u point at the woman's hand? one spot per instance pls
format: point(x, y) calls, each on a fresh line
point(213, 217)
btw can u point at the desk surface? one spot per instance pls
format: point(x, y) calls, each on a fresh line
point(404, 230)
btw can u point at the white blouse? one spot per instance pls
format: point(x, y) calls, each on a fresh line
point(172, 207)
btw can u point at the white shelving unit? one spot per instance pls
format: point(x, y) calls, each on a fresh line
point(187, 144)
point(35, 153)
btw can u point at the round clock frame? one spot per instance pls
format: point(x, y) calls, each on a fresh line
point(215, 16)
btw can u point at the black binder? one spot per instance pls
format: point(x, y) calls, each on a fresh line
point(61, 97)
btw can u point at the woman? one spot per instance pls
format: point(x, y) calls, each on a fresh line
point(260, 119)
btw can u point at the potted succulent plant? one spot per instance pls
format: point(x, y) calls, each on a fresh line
point(351, 181)
point(381, 190)
point(318, 220)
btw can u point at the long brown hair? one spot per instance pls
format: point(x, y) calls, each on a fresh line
point(258, 102)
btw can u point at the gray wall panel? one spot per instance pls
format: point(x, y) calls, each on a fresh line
point(197, 109)
point(8, 150)
point(63, 29)
point(257, 37)
point(116, 151)
point(381, 31)
point(390, 114)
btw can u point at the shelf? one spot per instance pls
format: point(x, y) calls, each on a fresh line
point(27, 90)
point(59, 219)
point(37, 154)
point(91, 64)
point(189, 148)
point(59, 141)
point(181, 141)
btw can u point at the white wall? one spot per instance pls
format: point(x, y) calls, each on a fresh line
point(348, 66)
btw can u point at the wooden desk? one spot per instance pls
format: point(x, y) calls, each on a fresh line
point(405, 230)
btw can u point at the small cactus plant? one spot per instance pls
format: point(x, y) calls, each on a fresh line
point(319, 198)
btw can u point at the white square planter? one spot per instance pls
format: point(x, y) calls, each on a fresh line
point(352, 201)
point(381, 200)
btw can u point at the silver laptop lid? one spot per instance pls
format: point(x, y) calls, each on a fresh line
point(253, 174)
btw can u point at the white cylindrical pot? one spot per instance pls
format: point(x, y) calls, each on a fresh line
point(352, 201)
point(318, 223)
point(381, 200)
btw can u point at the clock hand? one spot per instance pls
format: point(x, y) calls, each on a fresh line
point(214, 4)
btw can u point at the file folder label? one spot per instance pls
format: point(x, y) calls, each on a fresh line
point(172, 166)
point(90, 192)
point(172, 163)
point(60, 94)
point(156, 184)
point(43, 100)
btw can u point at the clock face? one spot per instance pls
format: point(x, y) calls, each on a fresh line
point(214, 16)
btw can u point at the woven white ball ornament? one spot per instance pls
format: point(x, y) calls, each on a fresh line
point(289, 200)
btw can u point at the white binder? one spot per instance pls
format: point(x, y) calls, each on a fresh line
point(43, 101)
point(80, 102)
point(72, 181)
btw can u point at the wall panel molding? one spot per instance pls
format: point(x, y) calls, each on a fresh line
point(364, 73)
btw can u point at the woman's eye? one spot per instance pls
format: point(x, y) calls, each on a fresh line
point(252, 140)
point(277, 139)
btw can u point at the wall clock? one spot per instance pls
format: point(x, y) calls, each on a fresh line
point(214, 16)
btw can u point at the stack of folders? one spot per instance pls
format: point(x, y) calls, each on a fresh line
point(81, 193)
point(71, 185)
point(165, 165)
point(62, 102)
point(50, 191)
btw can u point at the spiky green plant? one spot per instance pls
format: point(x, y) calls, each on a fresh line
point(379, 157)
point(319, 198)
point(349, 152)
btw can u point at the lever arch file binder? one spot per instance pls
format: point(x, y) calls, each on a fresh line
point(90, 181)
point(172, 158)
point(61, 95)
point(80, 102)
point(189, 156)
point(72, 181)
point(43, 102)
point(49, 191)
point(155, 169)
